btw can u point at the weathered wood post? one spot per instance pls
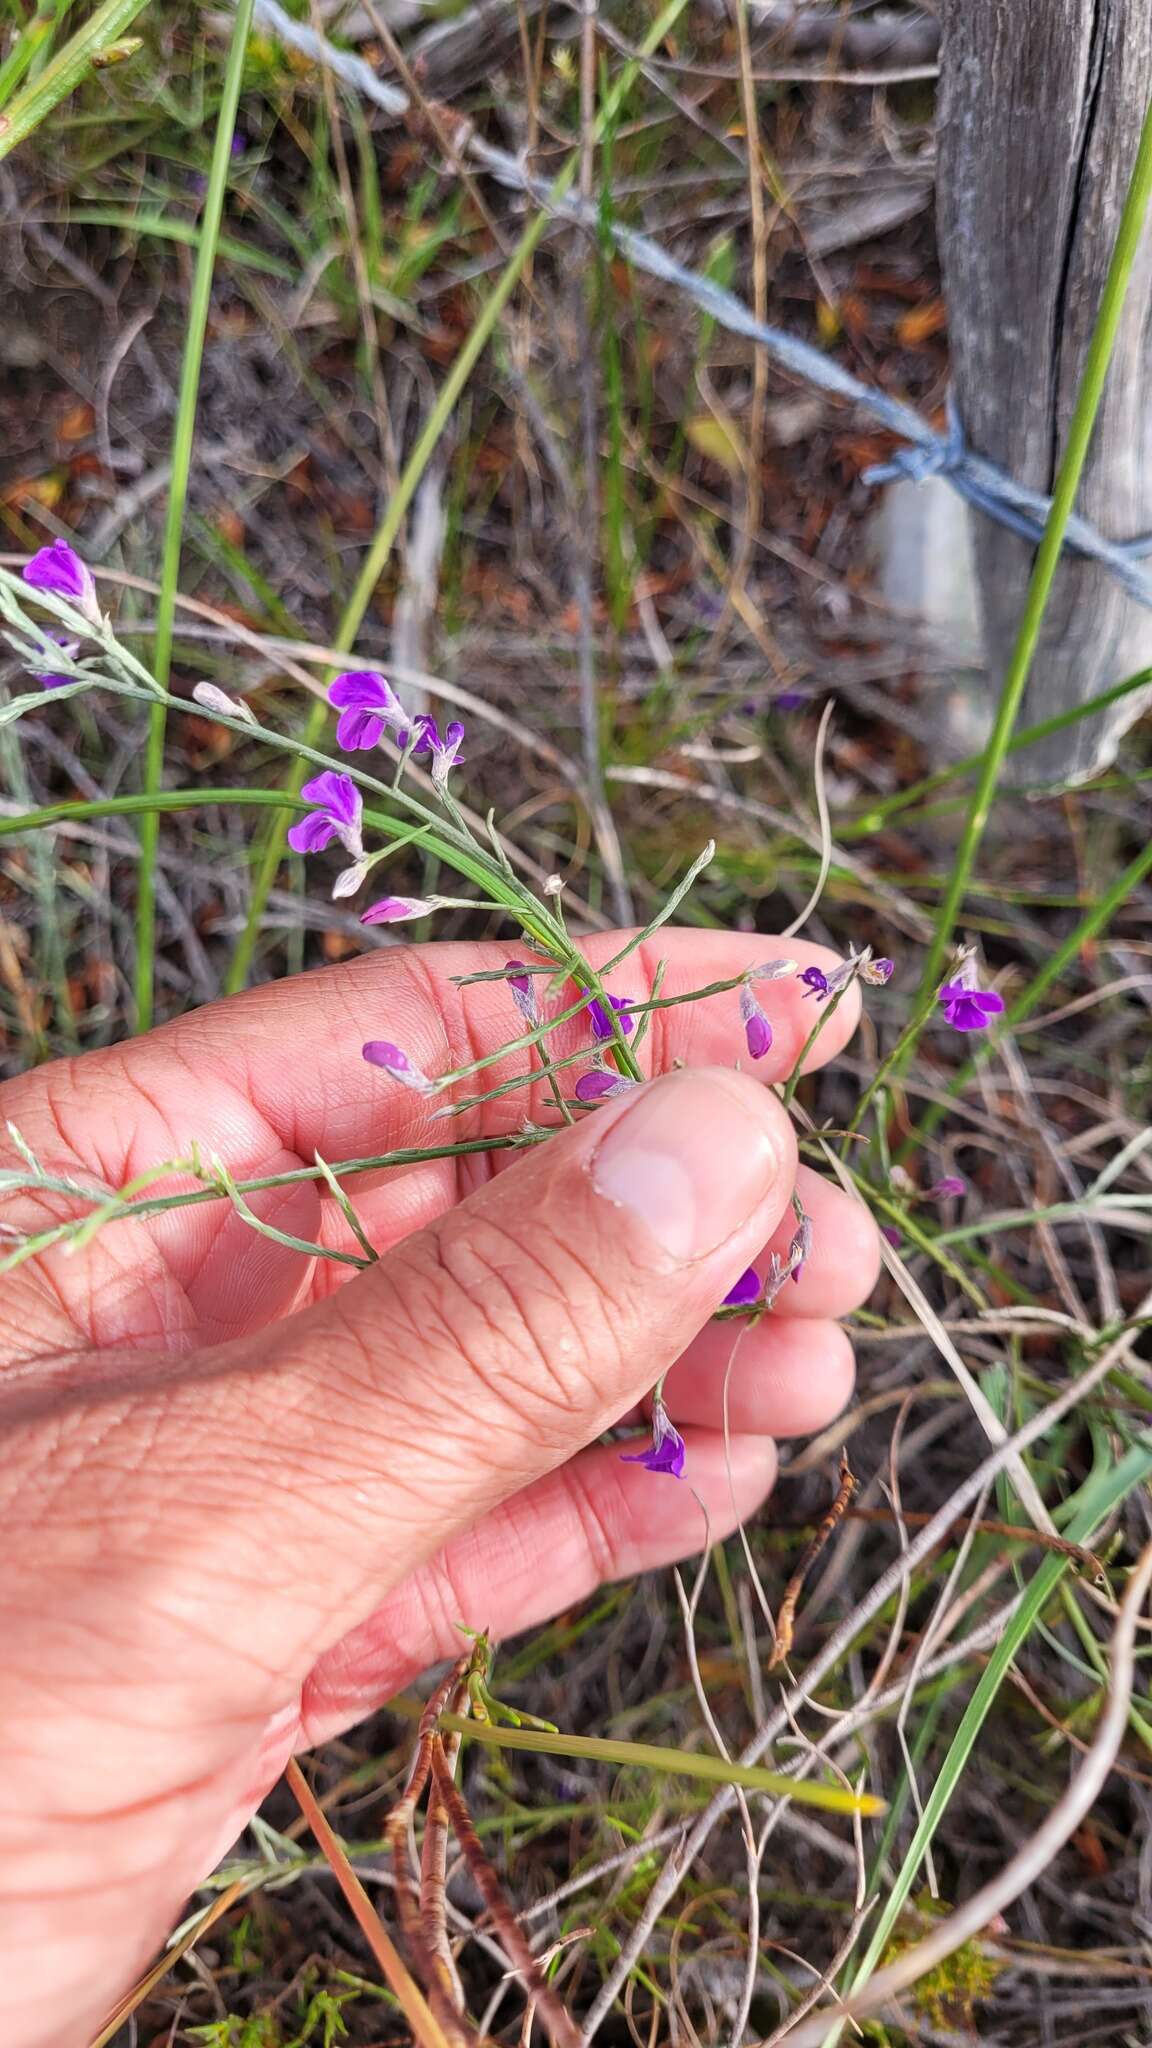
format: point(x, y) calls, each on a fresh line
point(1041, 103)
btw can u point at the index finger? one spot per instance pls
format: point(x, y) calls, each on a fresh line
point(296, 1049)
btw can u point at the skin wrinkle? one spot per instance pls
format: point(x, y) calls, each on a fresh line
point(526, 1282)
point(345, 1486)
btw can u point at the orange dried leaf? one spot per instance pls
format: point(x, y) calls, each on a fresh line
point(923, 321)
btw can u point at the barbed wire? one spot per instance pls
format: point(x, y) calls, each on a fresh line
point(927, 453)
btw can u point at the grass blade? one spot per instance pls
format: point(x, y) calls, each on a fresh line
point(655, 1756)
point(198, 309)
point(1080, 430)
point(423, 450)
point(64, 72)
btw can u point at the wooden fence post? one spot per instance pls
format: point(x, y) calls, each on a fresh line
point(1041, 103)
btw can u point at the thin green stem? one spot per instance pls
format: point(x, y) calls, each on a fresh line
point(879, 813)
point(123, 1207)
point(198, 309)
point(1080, 430)
point(1091, 924)
point(427, 441)
point(654, 1756)
point(906, 1040)
point(823, 1015)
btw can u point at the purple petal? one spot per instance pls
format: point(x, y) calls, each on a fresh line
point(757, 1029)
point(598, 1017)
point(335, 793)
point(356, 730)
point(598, 1084)
point(362, 689)
point(311, 834)
point(968, 1009)
point(891, 1235)
point(666, 1451)
point(523, 990)
point(790, 700)
point(447, 753)
point(396, 909)
point(59, 570)
point(746, 1291)
point(950, 1185)
point(379, 1052)
point(877, 972)
point(758, 1033)
point(427, 734)
point(815, 983)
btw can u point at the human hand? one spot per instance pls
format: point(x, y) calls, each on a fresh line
point(246, 1502)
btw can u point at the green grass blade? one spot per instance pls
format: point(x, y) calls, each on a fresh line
point(1093, 922)
point(424, 448)
point(64, 72)
point(135, 221)
point(1080, 430)
point(1100, 1495)
point(905, 799)
point(654, 1756)
point(198, 309)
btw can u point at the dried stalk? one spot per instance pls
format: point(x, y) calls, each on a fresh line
point(786, 1619)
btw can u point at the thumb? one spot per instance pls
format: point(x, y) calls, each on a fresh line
point(296, 1480)
point(490, 1347)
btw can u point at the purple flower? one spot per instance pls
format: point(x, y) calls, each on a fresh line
point(891, 1235)
point(367, 703)
point(601, 1022)
point(50, 681)
point(523, 991)
point(815, 983)
point(876, 972)
point(398, 909)
point(746, 1291)
point(666, 1452)
point(337, 815)
point(380, 1053)
point(951, 1184)
point(599, 1083)
point(757, 1029)
point(790, 700)
point(445, 751)
point(966, 1006)
point(58, 569)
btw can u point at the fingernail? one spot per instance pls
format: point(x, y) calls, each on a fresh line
point(692, 1159)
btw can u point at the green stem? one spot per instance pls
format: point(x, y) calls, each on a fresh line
point(905, 1041)
point(654, 1756)
point(793, 1081)
point(1080, 431)
point(1090, 925)
point(198, 310)
point(272, 852)
point(879, 813)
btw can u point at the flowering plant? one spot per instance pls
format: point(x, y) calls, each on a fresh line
point(390, 786)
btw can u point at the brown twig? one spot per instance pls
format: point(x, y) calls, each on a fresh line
point(560, 2027)
point(421, 2019)
point(422, 1919)
point(786, 1618)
